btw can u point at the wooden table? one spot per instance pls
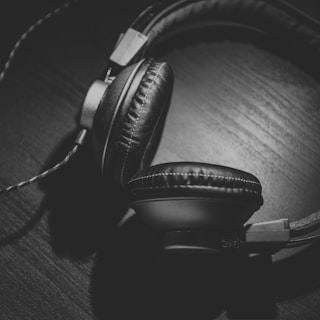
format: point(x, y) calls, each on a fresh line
point(238, 101)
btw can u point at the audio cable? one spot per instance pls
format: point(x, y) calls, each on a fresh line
point(82, 133)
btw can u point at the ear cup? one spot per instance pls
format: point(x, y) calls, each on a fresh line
point(129, 122)
point(194, 195)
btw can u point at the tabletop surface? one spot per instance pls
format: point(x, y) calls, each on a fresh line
point(238, 100)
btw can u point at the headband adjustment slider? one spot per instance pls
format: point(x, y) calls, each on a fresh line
point(269, 231)
point(127, 47)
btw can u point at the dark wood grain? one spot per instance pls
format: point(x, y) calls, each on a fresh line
point(237, 102)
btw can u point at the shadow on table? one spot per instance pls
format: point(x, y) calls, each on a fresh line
point(82, 207)
point(132, 279)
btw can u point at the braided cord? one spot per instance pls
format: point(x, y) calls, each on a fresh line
point(77, 143)
point(33, 27)
point(82, 133)
point(42, 175)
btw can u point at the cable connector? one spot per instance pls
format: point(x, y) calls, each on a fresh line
point(80, 137)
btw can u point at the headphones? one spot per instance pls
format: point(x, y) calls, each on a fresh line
point(198, 207)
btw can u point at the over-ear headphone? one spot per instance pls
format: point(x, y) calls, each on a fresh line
point(198, 207)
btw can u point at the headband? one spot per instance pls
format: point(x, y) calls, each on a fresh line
point(275, 18)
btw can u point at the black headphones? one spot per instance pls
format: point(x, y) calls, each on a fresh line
point(199, 207)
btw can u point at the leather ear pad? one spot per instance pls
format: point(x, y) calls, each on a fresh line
point(194, 196)
point(191, 179)
point(129, 122)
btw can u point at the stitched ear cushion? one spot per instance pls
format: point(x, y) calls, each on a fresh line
point(191, 179)
point(137, 101)
point(109, 108)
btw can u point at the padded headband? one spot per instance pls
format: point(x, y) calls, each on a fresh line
point(273, 17)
